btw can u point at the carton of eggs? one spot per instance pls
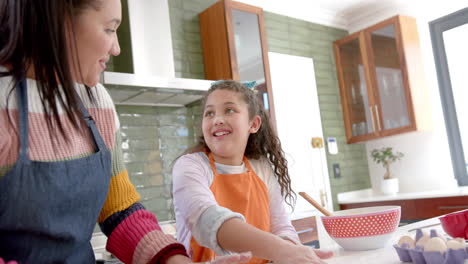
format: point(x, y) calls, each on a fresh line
point(431, 249)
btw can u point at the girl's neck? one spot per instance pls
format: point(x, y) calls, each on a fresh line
point(232, 161)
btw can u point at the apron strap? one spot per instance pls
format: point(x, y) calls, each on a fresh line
point(98, 141)
point(23, 119)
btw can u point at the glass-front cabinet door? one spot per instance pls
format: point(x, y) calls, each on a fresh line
point(382, 84)
point(235, 47)
point(392, 106)
point(249, 55)
point(357, 98)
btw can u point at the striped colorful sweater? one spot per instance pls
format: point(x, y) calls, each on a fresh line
point(134, 235)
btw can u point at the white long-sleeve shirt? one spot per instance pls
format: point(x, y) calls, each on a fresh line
point(199, 215)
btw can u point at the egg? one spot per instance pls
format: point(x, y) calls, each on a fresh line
point(461, 240)
point(442, 237)
point(435, 244)
point(422, 241)
point(406, 239)
point(455, 244)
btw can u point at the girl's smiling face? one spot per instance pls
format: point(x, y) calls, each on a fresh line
point(226, 126)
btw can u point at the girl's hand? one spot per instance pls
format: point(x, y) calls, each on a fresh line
point(9, 262)
point(301, 254)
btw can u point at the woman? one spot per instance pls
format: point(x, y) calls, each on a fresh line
point(60, 159)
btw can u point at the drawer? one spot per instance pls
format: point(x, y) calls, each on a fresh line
point(428, 208)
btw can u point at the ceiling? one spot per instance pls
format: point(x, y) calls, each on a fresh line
point(337, 13)
point(347, 14)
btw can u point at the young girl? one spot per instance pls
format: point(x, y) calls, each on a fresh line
point(228, 192)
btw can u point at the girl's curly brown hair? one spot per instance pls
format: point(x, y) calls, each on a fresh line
point(264, 143)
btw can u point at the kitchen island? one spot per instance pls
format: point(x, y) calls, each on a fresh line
point(386, 255)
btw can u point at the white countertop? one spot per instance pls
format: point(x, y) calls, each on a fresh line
point(386, 255)
point(368, 195)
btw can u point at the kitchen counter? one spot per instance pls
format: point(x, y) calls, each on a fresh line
point(386, 255)
point(368, 195)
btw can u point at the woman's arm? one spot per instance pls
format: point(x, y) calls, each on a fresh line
point(133, 232)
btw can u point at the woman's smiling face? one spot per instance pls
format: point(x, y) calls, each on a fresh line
point(226, 126)
point(96, 40)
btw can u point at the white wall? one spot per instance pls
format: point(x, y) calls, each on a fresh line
point(151, 37)
point(296, 103)
point(427, 163)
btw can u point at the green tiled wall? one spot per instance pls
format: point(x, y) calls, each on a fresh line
point(152, 137)
point(289, 36)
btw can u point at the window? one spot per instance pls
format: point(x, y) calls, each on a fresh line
point(449, 42)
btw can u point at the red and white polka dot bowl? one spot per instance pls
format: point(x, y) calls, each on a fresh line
point(363, 228)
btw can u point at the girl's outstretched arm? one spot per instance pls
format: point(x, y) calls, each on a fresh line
point(238, 236)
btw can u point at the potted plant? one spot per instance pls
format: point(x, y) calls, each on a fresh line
point(387, 156)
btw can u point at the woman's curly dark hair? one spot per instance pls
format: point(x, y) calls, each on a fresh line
point(264, 143)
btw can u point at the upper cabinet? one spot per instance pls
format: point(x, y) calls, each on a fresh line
point(234, 46)
point(382, 83)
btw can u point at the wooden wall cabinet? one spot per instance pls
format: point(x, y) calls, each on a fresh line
point(235, 48)
point(382, 85)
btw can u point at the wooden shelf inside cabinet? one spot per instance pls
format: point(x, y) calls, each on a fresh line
point(234, 47)
point(382, 84)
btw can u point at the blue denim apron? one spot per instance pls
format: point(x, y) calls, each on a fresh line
point(48, 210)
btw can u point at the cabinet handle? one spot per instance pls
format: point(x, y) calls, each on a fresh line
point(305, 231)
point(378, 118)
point(372, 118)
point(323, 198)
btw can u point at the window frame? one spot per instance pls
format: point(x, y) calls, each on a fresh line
point(437, 28)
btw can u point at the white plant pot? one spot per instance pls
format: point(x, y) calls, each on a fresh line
point(389, 186)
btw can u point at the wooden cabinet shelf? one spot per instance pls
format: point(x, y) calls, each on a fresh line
point(381, 78)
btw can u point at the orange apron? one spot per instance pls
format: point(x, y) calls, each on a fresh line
point(243, 193)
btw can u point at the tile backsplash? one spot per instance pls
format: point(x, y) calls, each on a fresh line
point(152, 138)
